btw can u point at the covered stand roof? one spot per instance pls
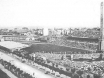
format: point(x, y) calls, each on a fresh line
point(11, 45)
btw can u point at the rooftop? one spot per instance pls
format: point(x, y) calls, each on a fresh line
point(12, 45)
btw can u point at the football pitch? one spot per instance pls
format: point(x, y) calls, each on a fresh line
point(35, 47)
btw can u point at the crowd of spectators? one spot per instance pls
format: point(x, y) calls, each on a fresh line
point(85, 33)
point(86, 39)
point(76, 44)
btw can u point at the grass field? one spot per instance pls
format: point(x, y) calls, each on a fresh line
point(51, 48)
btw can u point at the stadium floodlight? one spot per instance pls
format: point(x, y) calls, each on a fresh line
point(102, 29)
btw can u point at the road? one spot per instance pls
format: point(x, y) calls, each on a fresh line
point(35, 72)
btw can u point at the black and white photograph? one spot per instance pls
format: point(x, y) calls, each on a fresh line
point(51, 38)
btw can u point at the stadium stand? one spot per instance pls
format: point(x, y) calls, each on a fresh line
point(85, 33)
point(78, 44)
point(56, 64)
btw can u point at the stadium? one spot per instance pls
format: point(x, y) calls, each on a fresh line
point(79, 54)
point(61, 58)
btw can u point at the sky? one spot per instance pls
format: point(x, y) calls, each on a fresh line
point(50, 13)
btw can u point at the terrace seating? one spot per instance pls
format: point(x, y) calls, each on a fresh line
point(76, 44)
point(89, 33)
